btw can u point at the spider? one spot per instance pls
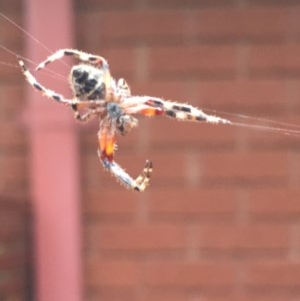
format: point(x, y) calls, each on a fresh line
point(98, 94)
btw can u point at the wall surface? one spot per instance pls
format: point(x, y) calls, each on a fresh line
point(220, 220)
point(15, 251)
point(15, 213)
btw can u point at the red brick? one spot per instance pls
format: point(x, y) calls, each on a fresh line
point(241, 23)
point(11, 36)
point(111, 204)
point(182, 61)
point(166, 296)
point(174, 90)
point(279, 58)
point(280, 132)
point(251, 297)
point(274, 142)
point(294, 94)
point(15, 167)
point(137, 238)
point(122, 60)
point(280, 274)
point(90, 5)
point(245, 164)
point(88, 137)
point(192, 4)
point(9, 71)
point(14, 103)
point(92, 171)
point(14, 251)
point(111, 295)
point(183, 275)
point(276, 3)
point(208, 296)
point(169, 165)
point(12, 225)
point(243, 96)
point(169, 133)
point(15, 296)
point(111, 274)
point(13, 259)
point(230, 237)
point(191, 204)
point(294, 21)
point(12, 136)
point(139, 24)
point(8, 6)
point(11, 282)
point(275, 204)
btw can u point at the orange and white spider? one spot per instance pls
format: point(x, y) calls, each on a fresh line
point(97, 94)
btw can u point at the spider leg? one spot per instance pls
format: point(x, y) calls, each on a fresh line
point(91, 113)
point(80, 55)
point(97, 105)
point(105, 154)
point(123, 88)
point(49, 93)
point(153, 106)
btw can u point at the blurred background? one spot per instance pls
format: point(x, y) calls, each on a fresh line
point(221, 218)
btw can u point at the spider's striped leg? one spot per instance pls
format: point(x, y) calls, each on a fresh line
point(123, 88)
point(97, 105)
point(80, 55)
point(139, 184)
point(185, 112)
point(49, 93)
point(105, 153)
point(94, 108)
point(91, 113)
point(152, 106)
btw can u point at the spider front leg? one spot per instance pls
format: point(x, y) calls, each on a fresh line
point(86, 116)
point(123, 88)
point(153, 106)
point(49, 93)
point(105, 154)
point(94, 107)
point(80, 55)
point(91, 111)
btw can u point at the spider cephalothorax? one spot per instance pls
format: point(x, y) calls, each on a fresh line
point(97, 94)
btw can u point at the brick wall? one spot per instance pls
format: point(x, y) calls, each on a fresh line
point(15, 247)
point(220, 220)
point(15, 221)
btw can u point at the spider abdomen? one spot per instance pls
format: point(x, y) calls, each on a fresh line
point(88, 82)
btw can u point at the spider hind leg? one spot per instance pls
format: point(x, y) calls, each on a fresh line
point(139, 184)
